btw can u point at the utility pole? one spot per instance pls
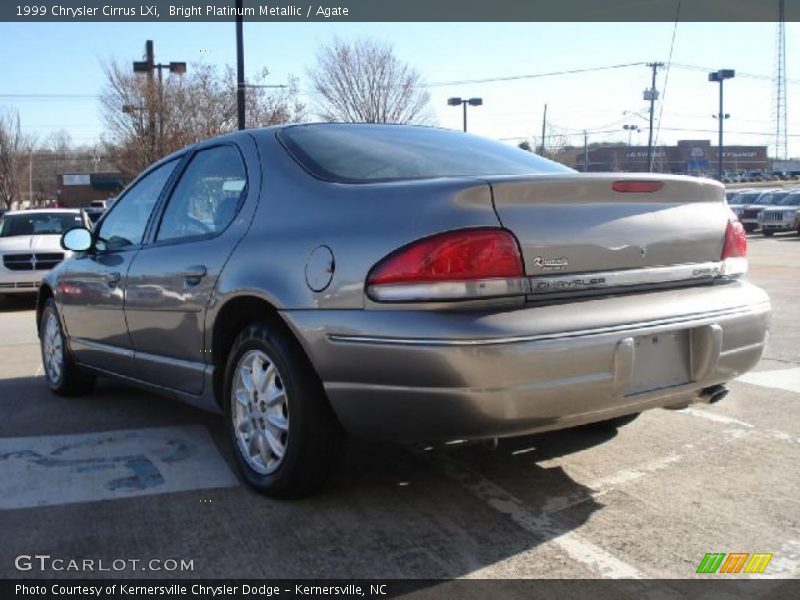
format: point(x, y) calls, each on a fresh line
point(150, 59)
point(585, 152)
point(544, 125)
point(240, 106)
point(652, 96)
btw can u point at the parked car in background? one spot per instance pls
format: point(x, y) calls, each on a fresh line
point(30, 245)
point(781, 217)
point(753, 202)
point(401, 283)
point(93, 213)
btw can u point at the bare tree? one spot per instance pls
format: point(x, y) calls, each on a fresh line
point(145, 121)
point(15, 149)
point(364, 81)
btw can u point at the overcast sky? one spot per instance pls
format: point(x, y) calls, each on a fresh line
point(51, 58)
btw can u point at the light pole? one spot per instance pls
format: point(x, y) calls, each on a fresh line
point(630, 129)
point(240, 100)
point(148, 66)
point(720, 76)
point(463, 102)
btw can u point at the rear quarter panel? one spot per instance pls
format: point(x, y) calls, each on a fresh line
point(359, 223)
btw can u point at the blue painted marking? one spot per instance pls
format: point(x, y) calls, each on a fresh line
point(145, 473)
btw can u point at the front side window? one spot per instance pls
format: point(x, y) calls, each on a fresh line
point(125, 224)
point(207, 195)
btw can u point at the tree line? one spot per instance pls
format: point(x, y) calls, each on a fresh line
point(358, 81)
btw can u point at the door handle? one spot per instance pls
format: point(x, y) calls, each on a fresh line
point(194, 272)
point(112, 278)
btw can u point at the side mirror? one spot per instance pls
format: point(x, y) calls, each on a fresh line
point(77, 239)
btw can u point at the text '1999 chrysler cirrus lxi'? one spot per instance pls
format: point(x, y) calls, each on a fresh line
point(400, 283)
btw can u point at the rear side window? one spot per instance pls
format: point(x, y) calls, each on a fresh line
point(207, 196)
point(371, 153)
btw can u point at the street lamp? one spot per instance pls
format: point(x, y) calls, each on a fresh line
point(630, 129)
point(720, 76)
point(148, 66)
point(463, 102)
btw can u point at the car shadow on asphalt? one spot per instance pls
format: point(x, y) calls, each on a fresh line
point(389, 510)
point(17, 303)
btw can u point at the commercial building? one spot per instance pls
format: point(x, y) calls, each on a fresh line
point(76, 190)
point(693, 157)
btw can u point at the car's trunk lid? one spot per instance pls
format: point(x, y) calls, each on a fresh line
point(578, 224)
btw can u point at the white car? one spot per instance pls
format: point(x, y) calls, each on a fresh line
point(30, 245)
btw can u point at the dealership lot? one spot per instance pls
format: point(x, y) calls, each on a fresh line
point(122, 474)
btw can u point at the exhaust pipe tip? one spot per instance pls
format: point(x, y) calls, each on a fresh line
point(713, 394)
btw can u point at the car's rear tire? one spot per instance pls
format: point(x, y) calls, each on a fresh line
point(768, 233)
point(63, 376)
point(284, 434)
point(612, 424)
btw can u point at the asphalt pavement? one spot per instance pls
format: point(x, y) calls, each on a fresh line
point(126, 476)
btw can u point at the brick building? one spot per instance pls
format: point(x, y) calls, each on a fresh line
point(76, 190)
point(696, 157)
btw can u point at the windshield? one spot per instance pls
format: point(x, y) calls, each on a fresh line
point(749, 198)
point(791, 200)
point(772, 198)
point(737, 199)
point(38, 223)
point(372, 153)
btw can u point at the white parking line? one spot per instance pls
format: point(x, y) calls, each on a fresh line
point(579, 549)
point(782, 379)
point(741, 428)
point(609, 483)
point(64, 469)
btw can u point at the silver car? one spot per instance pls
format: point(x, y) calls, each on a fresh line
point(29, 246)
point(401, 283)
point(783, 216)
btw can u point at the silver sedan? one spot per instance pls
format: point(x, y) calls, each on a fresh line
point(401, 283)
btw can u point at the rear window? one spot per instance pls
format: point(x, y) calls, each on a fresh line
point(373, 153)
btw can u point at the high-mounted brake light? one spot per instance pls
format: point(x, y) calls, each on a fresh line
point(469, 263)
point(734, 249)
point(641, 187)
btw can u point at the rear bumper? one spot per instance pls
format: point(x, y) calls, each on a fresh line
point(440, 375)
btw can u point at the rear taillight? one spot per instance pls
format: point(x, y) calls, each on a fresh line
point(734, 249)
point(469, 263)
point(637, 186)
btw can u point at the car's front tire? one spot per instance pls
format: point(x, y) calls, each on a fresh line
point(63, 376)
point(284, 434)
point(768, 233)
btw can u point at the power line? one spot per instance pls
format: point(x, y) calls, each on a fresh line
point(531, 76)
point(669, 64)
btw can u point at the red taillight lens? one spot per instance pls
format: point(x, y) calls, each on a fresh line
point(637, 186)
point(735, 245)
point(464, 255)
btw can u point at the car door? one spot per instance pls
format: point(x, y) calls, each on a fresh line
point(172, 278)
point(92, 290)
